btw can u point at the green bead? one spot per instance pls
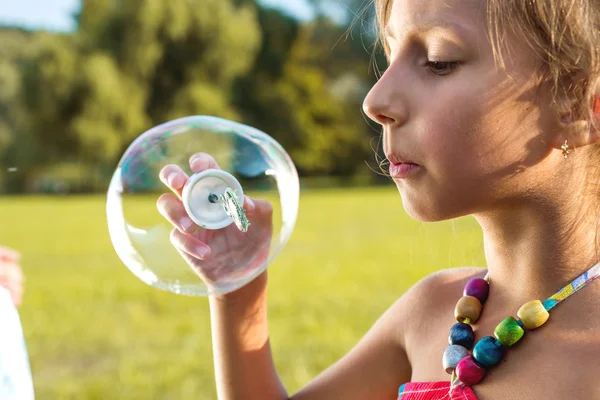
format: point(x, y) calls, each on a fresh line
point(508, 332)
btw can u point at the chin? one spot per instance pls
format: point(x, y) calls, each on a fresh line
point(425, 211)
point(424, 216)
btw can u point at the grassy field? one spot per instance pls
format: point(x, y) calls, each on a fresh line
point(96, 332)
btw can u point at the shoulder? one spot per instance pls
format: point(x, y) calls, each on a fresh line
point(444, 282)
point(432, 298)
point(439, 285)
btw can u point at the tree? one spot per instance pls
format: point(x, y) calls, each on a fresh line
point(70, 104)
point(18, 149)
point(131, 65)
point(184, 54)
point(294, 99)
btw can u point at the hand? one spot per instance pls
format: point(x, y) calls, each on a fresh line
point(217, 256)
point(11, 276)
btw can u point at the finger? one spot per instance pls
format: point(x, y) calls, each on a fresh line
point(174, 177)
point(195, 263)
point(257, 208)
point(260, 214)
point(202, 161)
point(9, 255)
point(170, 207)
point(190, 245)
point(249, 205)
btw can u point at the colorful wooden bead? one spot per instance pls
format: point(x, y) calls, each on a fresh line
point(520, 323)
point(488, 351)
point(462, 335)
point(452, 357)
point(477, 287)
point(508, 332)
point(468, 372)
point(467, 309)
point(533, 314)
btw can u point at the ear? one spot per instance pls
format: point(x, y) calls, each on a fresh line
point(579, 132)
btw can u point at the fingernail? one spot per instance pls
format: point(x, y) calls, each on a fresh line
point(194, 162)
point(250, 206)
point(172, 180)
point(203, 251)
point(186, 223)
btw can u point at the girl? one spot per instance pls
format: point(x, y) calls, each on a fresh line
point(488, 108)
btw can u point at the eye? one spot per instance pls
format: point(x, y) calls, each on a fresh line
point(442, 67)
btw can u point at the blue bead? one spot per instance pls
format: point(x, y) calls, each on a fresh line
point(520, 323)
point(462, 335)
point(488, 352)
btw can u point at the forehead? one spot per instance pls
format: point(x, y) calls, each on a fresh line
point(407, 16)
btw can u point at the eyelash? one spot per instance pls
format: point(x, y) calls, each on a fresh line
point(451, 64)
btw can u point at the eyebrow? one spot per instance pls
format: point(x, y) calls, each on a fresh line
point(426, 26)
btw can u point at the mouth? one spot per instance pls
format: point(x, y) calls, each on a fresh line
point(404, 170)
point(401, 167)
point(395, 158)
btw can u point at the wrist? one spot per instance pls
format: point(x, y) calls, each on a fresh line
point(250, 293)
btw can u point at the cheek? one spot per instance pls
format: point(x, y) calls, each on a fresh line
point(472, 152)
point(454, 142)
point(474, 139)
point(477, 139)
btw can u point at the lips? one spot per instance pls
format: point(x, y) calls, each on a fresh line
point(402, 167)
point(395, 158)
point(404, 170)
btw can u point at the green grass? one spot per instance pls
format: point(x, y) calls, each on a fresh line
point(94, 331)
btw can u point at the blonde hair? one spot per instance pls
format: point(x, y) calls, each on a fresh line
point(564, 35)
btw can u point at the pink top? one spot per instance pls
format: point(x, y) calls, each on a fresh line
point(434, 391)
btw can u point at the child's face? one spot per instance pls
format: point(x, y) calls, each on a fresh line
point(478, 136)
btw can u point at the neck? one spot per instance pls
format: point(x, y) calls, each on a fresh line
point(532, 251)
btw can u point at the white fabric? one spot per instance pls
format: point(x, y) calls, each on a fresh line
point(15, 373)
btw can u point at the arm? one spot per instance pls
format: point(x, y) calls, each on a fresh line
point(243, 363)
point(244, 367)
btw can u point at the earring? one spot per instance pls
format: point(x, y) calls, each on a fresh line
point(565, 149)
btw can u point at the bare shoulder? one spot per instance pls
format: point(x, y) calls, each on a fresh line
point(432, 296)
point(380, 362)
point(443, 283)
point(439, 285)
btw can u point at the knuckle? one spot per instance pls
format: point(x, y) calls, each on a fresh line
point(199, 156)
point(164, 172)
point(201, 161)
point(176, 238)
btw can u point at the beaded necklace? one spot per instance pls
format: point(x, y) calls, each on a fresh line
point(469, 369)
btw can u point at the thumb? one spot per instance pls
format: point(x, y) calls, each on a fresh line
point(258, 208)
point(249, 204)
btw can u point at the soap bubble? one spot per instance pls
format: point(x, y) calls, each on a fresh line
point(250, 163)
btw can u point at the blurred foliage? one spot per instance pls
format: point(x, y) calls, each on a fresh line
point(71, 103)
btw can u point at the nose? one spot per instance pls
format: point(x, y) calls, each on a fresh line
point(383, 103)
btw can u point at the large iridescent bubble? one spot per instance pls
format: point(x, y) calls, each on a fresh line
point(250, 163)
